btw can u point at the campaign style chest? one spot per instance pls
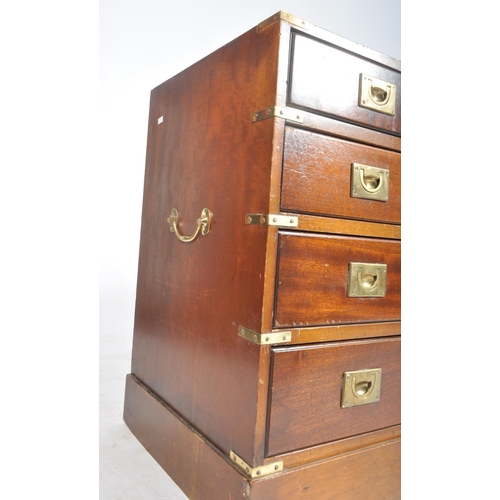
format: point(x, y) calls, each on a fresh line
point(266, 352)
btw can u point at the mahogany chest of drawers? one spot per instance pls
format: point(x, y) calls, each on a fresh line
point(266, 352)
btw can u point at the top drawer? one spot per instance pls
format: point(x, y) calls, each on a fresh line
point(331, 81)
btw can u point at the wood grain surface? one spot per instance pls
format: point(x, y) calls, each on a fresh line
point(326, 79)
point(197, 389)
point(317, 177)
point(191, 297)
point(199, 471)
point(313, 277)
point(367, 474)
point(202, 473)
point(306, 392)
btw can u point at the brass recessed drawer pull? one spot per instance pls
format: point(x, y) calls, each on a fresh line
point(369, 183)
point(203, 224)
point(377, 95)
point(366, 280)
point(361, 387)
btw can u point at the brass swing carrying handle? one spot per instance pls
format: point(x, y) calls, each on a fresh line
point(203, 224)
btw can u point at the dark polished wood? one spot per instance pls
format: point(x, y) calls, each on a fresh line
point(313, 277)
point(197, 390)
point(308, 335)
point(367, 474)
point(306, 392)
point(344, 130)
point(339, 447)
point(196, 467)
point(326, 79)
point(317, 178)
point(371, 470)
point(316, 224)
point(191, 298)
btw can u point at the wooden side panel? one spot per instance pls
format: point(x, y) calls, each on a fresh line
point(317, 177)
point(196, 468)
point(369, 474)
point(326, 79)
point(204, 151)
point(313, 278)
point(306, 391)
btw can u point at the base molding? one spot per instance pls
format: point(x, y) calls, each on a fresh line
point(203, 473)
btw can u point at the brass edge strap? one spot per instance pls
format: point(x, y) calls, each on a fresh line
point(331, 225)
point(332, 38)
point(296, 21)
point(282, 16)
point(310, 334)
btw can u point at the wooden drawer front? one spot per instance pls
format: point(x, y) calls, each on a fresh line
point(306, 390)
point(326, 79)
point(317, 174)
point(312, 281)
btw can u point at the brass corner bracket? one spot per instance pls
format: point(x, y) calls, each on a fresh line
point(265, 338)
point(283, 16)
point(272, 220)
point(289, 114)
point(256, 472)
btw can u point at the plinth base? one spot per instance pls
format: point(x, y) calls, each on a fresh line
point(204, 473)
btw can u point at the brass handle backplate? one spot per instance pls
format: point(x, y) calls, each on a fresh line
point(366, 279)
point(361, 387)
point(369, 183)
point(377, 95)
point(203, 224)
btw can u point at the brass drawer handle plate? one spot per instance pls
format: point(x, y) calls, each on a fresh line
point(361, 387)
point(369, 183)
point(366, 279)
point(377, 95)
point(203, 225)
